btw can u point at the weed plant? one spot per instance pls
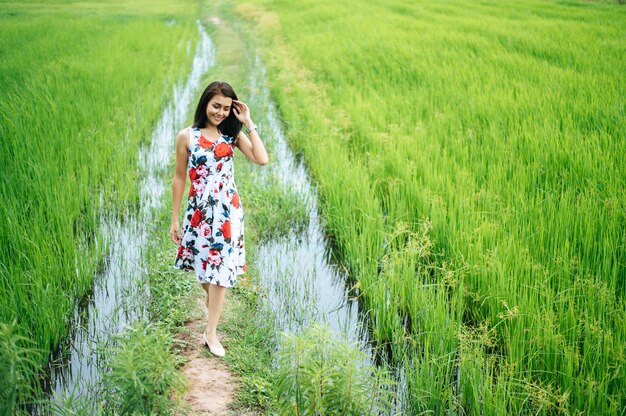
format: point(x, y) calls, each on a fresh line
point(319, 373)
point(156, 387)
point(274, 210)
point(252, 343)
point(170, 293)
point(143, 373)
point(468, 158)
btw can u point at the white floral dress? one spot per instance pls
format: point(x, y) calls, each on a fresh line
point(212, 236)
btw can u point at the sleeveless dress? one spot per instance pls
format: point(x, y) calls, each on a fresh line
point(212, 236)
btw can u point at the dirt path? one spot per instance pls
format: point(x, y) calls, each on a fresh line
point(210, 382)
point(211, 385)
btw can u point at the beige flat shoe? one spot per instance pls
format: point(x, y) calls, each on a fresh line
point(218, 350)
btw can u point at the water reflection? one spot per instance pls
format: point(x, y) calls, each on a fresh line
point(297, 271)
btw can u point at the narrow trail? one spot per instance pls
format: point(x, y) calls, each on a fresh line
point(211, 385)
point(295, 271)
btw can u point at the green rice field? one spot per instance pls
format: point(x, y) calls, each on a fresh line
point(469, 157)
point(470, 161)
point(81, 85)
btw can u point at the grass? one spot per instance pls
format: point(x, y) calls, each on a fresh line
point(19, 369)
point(81, 86)
point(140, 364)
point(143, 376)
point(320, 373)
point(468, 157)
point(469, 161)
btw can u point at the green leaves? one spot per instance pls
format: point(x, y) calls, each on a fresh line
point(18, 367)
point(321, 374)
point(143, 377)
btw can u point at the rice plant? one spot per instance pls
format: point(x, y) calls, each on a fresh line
point(501, 126)
point(80, 88)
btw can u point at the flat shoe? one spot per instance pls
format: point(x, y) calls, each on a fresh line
point(217, 351)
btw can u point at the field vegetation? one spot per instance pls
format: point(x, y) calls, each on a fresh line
point(470, 161)
point(81, 85)
point(316, 372)
point(469, 157)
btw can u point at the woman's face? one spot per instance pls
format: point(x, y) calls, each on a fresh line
point(218, 108)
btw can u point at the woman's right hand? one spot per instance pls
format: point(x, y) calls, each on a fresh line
point(175, 232)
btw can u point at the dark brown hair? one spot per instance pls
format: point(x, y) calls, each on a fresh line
point(230, 126)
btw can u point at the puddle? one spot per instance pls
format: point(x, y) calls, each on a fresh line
point(112, 303)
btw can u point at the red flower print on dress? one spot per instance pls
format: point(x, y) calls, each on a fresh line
point(185, 253)
point(199, 185)
point(226, 230)
point(212, 241)
point(214, 257)
point(205, 229)
point(244, 268)
point(222, 150)
point(204, 142)
point(236, 199)
point(202, 171)
point(197, 217)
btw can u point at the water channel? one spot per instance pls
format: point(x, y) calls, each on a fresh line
point(112, 303)
point(302, 283)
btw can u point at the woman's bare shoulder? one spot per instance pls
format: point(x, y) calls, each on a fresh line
point(184, 134)
point(182, 138)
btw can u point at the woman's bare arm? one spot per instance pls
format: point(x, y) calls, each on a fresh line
point(253, 147)
point(178, 182)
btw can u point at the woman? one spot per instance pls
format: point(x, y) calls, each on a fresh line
point(212, 241)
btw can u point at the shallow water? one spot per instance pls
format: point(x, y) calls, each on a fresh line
point(303, 284)
point(119, 295)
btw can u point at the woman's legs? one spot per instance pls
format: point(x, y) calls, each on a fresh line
point(214, 302)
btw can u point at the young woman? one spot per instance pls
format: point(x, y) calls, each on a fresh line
point(212, 240)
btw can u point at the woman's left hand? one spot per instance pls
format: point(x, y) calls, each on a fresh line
point(242, 112)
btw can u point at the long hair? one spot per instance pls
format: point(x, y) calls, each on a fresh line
point(230, 126)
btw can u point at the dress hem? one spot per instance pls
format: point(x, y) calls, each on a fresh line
point(191, 269)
